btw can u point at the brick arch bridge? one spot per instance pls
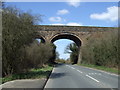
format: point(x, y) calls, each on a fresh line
point(78, 34)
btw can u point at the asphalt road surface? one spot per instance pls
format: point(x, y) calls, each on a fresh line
point(73, 76)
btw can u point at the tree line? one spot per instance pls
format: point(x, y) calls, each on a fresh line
point(20, 50)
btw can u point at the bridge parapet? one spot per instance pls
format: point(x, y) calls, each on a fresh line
point(72, 28)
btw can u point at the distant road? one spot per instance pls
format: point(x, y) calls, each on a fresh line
point(73, 76)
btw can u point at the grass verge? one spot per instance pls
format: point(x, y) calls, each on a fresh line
point(32, 74)
point(111, 70)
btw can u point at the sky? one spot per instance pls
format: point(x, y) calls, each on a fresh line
point(103, 14)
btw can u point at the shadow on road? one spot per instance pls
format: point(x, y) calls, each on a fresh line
point(57, 75)
point(59, 65)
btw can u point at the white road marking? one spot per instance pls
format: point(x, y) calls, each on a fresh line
point(92, 78)
point(67, 65)
point(100, 71)
point(94, 73)
point(79, 71)
point(72, 67)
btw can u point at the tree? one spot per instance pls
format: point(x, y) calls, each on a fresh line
point(52, 59)
point(74, 51)
point(57, 55)
point(18, 31)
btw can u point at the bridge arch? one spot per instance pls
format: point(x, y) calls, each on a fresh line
point(69, 36)
point(43, 40)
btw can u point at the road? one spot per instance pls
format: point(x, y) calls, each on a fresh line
point(73, 76)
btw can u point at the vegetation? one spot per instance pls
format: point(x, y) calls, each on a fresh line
point(21, 52)
point(54, 54)
point(60, 61)
point(32, 74)
point(17, 32)
point(73, 49)
point(112, 70)
point(36, 55)
point(57, 55)
point(101, 49)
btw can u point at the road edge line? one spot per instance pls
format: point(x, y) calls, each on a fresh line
point(48, 79)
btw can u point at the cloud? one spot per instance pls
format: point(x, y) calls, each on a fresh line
point(55, 19)
point(62, 12)
point(57, 24)
point(69, 24)
point(74, 3)
point(111, 14)
point(74, 24)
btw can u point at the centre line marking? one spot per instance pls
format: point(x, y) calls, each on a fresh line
point(72, 68)
point(92, 78)
point(79, 71)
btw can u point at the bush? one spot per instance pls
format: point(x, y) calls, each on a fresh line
point(37, 54)
point(101, 49)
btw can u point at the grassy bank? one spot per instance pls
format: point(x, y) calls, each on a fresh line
point(32, 74)
point(112, 70)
